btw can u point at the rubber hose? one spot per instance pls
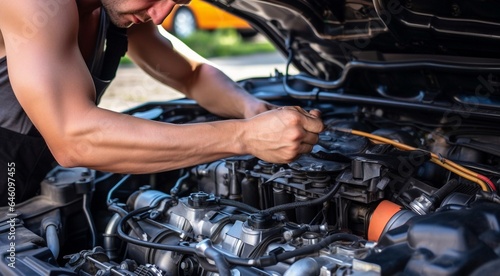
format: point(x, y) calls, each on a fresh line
point(316, 247)
point(294, 205)
point(127, 238)
point(90, 220)
point(220, 261)
point(52, 239)
point(238, 204)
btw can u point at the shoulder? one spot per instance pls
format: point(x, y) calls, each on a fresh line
point(29, 20)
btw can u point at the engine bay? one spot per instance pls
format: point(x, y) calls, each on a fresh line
point(387, 190)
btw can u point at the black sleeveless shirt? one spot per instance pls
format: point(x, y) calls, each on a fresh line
point(21, 145)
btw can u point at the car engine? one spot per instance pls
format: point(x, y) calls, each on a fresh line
point(387, 190)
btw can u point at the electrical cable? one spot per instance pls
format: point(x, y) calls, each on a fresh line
point(479, 167)
point(178, 184)
point(263, 261)
point(288, 62)
point(220, 261)
point(207, 266)
point(238, 204)
point(484, 182)
point(310, 249)
point(88, 216)
point(388, 66)
point(122, 235)
point(104, 177)
point(133, 224)
point(117, 185)
point(294, 205)
point(233, 218)
point(216, 256)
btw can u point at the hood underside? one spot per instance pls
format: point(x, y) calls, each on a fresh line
point(415, 50)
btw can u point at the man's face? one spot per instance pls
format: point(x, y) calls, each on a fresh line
point(124, 13)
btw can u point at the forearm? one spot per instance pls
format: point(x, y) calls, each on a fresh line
point(213, 90)
point(217, 93)
point(210, 87)
point(115, 142)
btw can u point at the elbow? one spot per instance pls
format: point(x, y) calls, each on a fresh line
point(69, 156)
point(64, 159)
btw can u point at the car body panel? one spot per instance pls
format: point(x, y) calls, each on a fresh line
point(208, 17)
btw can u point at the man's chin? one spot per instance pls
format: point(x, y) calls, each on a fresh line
point(121, 24)
point(118, 20)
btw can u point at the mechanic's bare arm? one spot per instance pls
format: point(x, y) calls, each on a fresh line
point(206, 84)
point(52, 83)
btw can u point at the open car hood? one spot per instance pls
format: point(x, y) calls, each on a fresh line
point(335, 33)
point(411, 51)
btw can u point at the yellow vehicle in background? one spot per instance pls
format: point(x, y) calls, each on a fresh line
point(200, 15)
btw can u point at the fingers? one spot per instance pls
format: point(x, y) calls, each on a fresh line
point(303, 149)
point(312, 122)
point(270, 106)
point(286, 133)
point(316, 113)
point(257, 107)
point(310, 138)
point(295, 108)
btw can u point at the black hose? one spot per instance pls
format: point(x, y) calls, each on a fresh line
point(294, 205)
point(90, 220)
point(288, 62)
point(318, 246)
point(233, 218)
point(220, 261)
point(117, 185)
point(127, 238)
point(132, 223)
point(444, 191)
point(206, 265)
point(272, 260)
point(104, 177)
point(238, 204)
point(260, 249)
point(387, 66)
point(178, 184)
point(223, 262)
point(488, 196)
point(241, 261)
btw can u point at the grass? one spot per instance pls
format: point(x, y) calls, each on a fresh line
point(222, 43)
point(225, 42)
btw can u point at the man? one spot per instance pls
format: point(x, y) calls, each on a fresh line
point(50, 49)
